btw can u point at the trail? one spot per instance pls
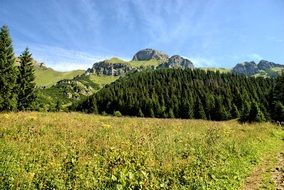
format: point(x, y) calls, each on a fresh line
point(278, 173)
point(268, 174)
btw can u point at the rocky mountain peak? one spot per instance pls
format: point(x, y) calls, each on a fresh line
point(148, 54)
point(251, 68)
point(248, 68)
point(177, 61)
point(114, 67)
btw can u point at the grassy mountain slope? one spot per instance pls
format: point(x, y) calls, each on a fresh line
point(47, 76)
point(102, 80)
point(215, 69)
point(135, 64)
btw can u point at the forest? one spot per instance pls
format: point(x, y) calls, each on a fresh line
point(188, 94)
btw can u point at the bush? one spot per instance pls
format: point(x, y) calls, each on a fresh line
point(117, 114)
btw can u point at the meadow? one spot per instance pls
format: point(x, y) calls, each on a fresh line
point(80, 151)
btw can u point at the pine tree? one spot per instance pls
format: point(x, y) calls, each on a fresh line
point(25, 81)
point(171, 113)
point(256, 114)
point(277, 100)
point(140, 113)
point(235, 112)
point(8, 72)
point(278, 112)
point(244, 116)
point(199, 110)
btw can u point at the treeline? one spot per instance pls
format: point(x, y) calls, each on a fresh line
point(17, 86)
point(176, 93)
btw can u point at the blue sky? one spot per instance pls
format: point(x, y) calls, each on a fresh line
point(70, 34)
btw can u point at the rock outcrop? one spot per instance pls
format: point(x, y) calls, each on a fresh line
point(263, 64)
point(148, 54)
point(251, 68)
point(247, 68)
point(106, 68)
point(118, 67)
point(177, 61)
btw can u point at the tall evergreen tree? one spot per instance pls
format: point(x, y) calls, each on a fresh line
point(277, 99)
point(278, 112)
point(199, 110)
point(244, 116)
point(8, 72)
point(25, 81)
point(256, 114)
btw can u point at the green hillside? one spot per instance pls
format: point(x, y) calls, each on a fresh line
point(47, 76)
point(152, 62)
point(214, 69)
point(136, 64)
point(102, 80)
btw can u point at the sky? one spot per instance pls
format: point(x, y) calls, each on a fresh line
point(73, 34)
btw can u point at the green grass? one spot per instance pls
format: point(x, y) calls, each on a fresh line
point(48, 76)
point(148, 63)
point(78, 151)
point(221, 70)
point(136, 64)
point(115, 60)
point(102, 80)
point(279, 70)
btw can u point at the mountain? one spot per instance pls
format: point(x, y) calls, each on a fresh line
point(114, 67)
point(143, 59)
point(148, 54)
point(177, 61)
point(47, 76)
point(263, 68)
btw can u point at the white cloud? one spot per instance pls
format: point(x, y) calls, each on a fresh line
point(63, 59)
point(202, 62)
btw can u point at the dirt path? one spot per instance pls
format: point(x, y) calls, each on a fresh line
point(268, 174)
point(278, 173)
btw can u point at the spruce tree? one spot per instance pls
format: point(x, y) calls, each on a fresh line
point(8, 72)
point(140, 113)
point(244, 116)
point(277, 99)
point(199, 110)
point(25, 81)
point(235, 112)
point(278, 112)
point(256, 114)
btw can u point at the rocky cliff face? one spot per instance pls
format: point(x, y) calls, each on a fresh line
point(118, 67)
point(247, 68)
point(148, 54)
point(251, 68)
point(263, 64)
point(177, 61)
point(106, 68)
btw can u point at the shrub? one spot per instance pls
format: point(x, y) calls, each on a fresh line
point(117, 114)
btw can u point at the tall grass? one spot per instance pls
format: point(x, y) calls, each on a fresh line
point(77, 151)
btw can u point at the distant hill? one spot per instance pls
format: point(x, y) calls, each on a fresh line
point(46, 76)
point(263, 68)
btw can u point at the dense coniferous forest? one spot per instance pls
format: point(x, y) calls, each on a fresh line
point(176, 93)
